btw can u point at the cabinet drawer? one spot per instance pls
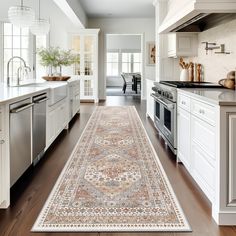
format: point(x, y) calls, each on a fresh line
point(204, 135)
point(204, 111)
point(203, 172)
point(184, 102)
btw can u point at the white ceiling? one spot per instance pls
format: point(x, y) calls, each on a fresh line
point(118, 8)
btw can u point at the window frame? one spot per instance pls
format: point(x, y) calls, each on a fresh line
point(31, 52)
point(120, 61)
point(113, 51)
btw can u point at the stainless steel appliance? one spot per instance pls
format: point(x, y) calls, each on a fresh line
point(39, 126)
point(165, 107)
point(20, 138)
point(165, 113)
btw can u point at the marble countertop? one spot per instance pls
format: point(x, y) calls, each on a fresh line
point(218, 96)
point(11, 94)
point(14, 93)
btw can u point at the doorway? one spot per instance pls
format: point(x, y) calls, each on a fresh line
point(123, 64)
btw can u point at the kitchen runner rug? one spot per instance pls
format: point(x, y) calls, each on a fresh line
point(113, 181)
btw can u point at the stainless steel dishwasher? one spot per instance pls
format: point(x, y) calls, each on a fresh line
point(20, 138)
point(39, 126)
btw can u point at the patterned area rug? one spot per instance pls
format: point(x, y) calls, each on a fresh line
point(113, 181)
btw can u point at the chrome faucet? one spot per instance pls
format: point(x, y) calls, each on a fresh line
point(18, 70)
point(26, 69)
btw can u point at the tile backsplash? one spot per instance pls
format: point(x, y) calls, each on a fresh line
point(216, 66)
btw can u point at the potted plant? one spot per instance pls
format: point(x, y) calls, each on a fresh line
point(54, 58)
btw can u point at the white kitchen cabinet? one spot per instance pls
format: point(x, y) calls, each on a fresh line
point(74, 93)
point(211, 156)
point(184, 139)
point(202, 171)
point(85, 44)
point(57, 119)
point(51, 127)
point(197, 141)
point(150, 99)
point(182, 44)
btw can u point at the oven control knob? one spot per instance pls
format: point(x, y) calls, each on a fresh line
point(170, 96)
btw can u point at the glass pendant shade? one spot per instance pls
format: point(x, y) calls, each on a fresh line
point(40, 27)
point(21, 16)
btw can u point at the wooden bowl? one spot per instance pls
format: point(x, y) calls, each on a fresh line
point(56, 78)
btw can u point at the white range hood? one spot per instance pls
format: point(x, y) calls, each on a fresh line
point(185, 12)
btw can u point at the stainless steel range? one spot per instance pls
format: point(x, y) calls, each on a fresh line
point(165, 107)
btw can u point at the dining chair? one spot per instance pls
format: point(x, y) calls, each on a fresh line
point(128, 82)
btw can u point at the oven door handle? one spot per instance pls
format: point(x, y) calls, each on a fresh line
point(169, 106)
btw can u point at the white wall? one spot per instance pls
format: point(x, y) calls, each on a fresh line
point(144, 26)
point(216, 66)
point(124, 42)
point(60, 24)
point(121, 43)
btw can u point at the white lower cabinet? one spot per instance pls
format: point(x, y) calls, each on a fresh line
point(202, 171)
point(206, 146)
point(150, 99)
point(183, 151)
point(197, 142)
point(74, 91)
point(57, 120)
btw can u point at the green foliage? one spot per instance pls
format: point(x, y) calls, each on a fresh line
point(54, 56)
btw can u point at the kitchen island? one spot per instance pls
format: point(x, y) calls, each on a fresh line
point(207, 146)
point(60, 99)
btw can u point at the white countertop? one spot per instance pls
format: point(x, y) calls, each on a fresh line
point(10, 94)
point(218, 96)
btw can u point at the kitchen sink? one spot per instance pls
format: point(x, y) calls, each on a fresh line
point(57, 90)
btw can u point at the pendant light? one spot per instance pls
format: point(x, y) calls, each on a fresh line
point(21, 16)
point(40, 26)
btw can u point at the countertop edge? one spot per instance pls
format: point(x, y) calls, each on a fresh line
point(13, 99)
point(207, 99)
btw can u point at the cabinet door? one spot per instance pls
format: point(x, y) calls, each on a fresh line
point(182, 44)
point(59, 117)
point(51, 125)
point(171, 45)
point(184, 141)
point(63, 112)
point(85, 45)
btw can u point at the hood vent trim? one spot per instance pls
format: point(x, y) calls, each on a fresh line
point(190, 22)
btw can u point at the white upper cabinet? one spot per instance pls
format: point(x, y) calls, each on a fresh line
point(182, 44)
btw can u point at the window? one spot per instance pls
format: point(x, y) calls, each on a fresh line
point(131, 62)
point(112, 64)
point(126, 62)
point(16, 42)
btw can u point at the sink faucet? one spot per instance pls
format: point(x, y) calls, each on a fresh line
point(18, 76)
point(26, 69)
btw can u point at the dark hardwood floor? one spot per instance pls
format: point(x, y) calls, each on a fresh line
point(31, 192)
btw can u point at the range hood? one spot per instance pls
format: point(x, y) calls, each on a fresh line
point(197, 15)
